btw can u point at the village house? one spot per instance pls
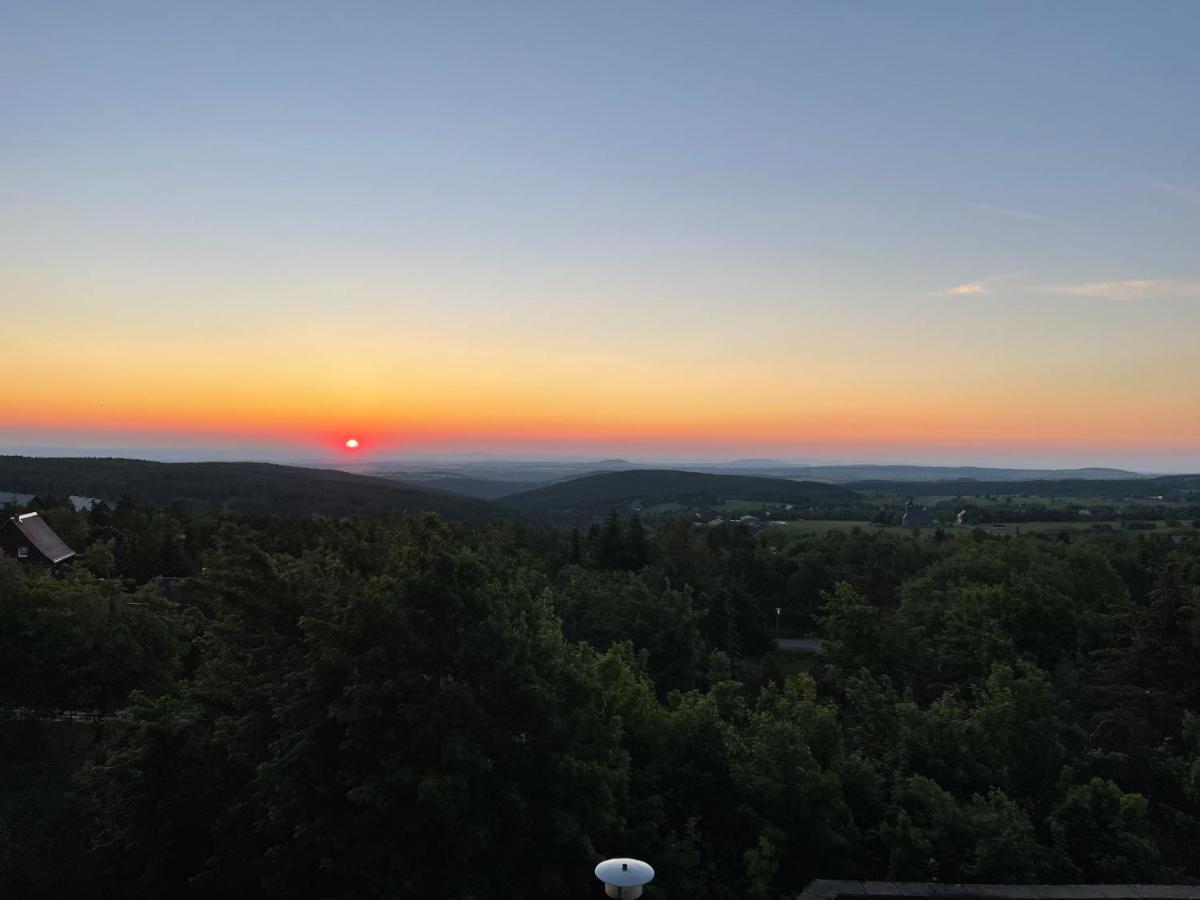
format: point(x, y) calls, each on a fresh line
point(915, 517)
point(28, 539)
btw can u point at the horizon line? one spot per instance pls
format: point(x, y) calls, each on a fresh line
point(353, 460)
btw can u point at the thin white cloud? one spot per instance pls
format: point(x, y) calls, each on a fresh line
point(1124, 290)
point(1129, 289)
point(1019, 215)
point(982, 286)
point(966, 290)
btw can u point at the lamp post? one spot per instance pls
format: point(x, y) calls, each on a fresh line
point(778, 613)
point(623, 877)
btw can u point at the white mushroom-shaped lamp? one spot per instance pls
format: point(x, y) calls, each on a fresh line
point(623, 877)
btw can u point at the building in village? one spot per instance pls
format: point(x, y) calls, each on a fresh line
point(915, 517)
point(28, 539)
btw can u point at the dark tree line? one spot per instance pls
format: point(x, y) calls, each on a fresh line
point(401, 707)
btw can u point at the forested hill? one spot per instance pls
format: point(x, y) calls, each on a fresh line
point(1165, 486)
point(257, 488)
point(595, 494)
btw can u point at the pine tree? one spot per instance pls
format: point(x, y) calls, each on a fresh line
point(638, 550)
point(609, 548)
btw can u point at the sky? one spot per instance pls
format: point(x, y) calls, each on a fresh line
point(931, 232)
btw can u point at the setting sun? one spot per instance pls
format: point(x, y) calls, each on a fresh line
point(352, 444)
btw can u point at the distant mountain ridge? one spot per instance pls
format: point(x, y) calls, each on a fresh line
point(492, 479)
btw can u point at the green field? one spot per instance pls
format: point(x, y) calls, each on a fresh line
point(823, 526)
point(1011, 501)
point(1019, 500)
point(749, 507)
point(1035, 527)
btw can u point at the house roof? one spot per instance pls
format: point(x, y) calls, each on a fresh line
point(42, 537)
point(86, 503)
point(917, 515)
point(822, 889)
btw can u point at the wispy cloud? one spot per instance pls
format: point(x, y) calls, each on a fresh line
point(1129, 289)
point(982, 286)
point(1124, 290)
point(965, 290)
point(1019, 215)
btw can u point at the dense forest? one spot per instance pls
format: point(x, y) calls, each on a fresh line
point(245, 487)
point(210, 704)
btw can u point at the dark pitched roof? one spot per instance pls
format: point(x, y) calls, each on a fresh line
point(916, 516)
point(823, 889)
point(42, 537)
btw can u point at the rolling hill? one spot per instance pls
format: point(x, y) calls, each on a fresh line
point(584, 498)
point(258, 488)
point(461, 485)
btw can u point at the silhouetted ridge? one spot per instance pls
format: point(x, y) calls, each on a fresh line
point(259, 488)
point(594, 494)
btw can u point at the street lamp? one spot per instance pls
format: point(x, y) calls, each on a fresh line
point(778, 613)
point(623, 877)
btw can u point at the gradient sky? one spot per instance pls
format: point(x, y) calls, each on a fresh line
point(943, 232)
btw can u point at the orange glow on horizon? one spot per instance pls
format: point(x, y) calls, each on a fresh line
point(470, 393)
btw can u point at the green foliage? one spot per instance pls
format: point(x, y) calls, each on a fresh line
point(602, 608)
point(330, 708)
point(82, 644)
point(1106, 833)
point(856, 635)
